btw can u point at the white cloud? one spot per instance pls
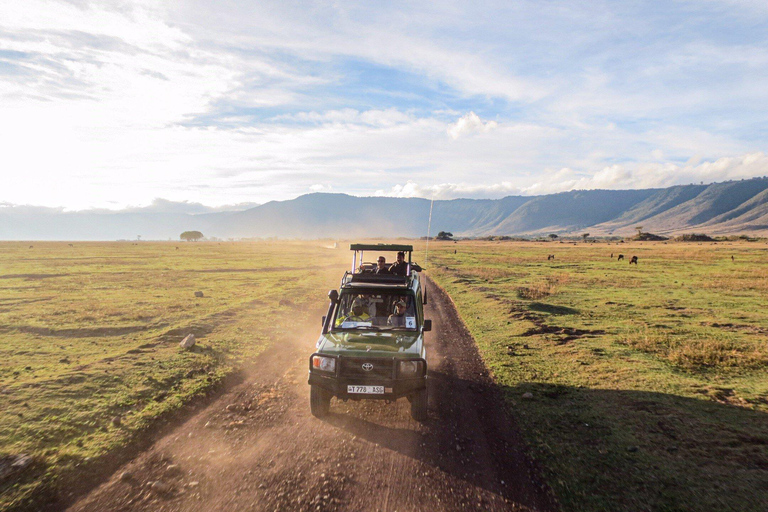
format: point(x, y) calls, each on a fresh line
point(470, 123)
point(115, 104)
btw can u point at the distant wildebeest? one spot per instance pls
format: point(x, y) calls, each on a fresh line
point(31, 246)
point(551, 257)
point(621, 257)
point(732, 258)
point(71, 245)
point(633, 260)
point(611, 255)
point(177, 247)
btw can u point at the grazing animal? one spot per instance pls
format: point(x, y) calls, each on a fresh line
point(633, 260)
point(621, 257)
point(551, 257)
point(454, 251)
point(732, 258)
point(611, 255)
point(71, 245)
point(177, 248)
point(31, 246)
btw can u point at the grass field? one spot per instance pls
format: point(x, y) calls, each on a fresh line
point(89, 334)
point(648, 384)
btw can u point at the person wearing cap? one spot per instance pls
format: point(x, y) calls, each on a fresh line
point(381, 266)
point(358, 313)
point(397, 318)
point(400, 267)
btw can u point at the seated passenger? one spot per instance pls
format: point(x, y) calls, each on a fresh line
point(381, 266)
point(397, 318)
point(358, 313)
point(400, 267)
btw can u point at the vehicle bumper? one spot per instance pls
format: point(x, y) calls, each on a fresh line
point(394, 389)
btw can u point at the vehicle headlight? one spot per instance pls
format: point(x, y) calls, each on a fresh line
point(325, 364)
point(410, 368)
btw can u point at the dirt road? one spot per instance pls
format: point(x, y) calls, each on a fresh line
point(258, 448)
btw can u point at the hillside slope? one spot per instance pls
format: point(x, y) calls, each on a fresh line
point(719, 208)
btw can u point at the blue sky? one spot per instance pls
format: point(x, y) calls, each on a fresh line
point(112, 104)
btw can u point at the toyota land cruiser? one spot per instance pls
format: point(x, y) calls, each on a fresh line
point(372, 340)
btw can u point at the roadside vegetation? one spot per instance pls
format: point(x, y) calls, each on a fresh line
point(90, 356)
point(637, 387)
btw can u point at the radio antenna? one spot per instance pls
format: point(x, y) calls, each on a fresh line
point(429, 228)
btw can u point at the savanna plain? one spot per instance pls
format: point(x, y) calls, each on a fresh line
point(635, 387)
point(89, 342)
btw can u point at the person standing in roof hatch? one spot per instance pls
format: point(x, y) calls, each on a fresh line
point(381, 266)
point(400, 267)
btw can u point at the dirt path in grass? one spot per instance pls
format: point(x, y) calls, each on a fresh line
point(258, 448)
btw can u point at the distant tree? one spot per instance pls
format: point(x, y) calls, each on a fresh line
point(639, 230)
point(444, 235)
point(552, 236)
point(193, 236)
point(584, 236)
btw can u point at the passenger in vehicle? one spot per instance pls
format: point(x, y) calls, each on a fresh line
point(400, 267)
point(381, 266)
point(397, 318)
point(373, 303)
point(358, 313)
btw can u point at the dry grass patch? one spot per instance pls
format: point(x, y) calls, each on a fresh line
point(550, 285)
point(697, 351)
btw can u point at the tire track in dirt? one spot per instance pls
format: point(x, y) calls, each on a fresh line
point(257, 447)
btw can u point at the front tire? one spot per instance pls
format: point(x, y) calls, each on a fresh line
point(319, 401)
point(419, 405)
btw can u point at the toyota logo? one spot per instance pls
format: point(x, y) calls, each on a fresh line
point(367, 367)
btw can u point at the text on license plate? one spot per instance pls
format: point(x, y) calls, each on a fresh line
point(366, 390)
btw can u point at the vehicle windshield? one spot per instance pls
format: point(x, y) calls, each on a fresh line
point(375, 311)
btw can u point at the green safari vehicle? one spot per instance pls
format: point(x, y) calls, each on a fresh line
point(372, 342)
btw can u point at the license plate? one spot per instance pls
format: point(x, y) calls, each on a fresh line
point(366, 390)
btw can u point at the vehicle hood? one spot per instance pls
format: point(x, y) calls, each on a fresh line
point(378, 343)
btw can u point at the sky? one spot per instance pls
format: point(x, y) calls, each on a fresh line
point(113, 104)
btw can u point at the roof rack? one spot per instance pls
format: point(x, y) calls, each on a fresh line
point(352, 279)
point(360, 249)
point(381, 247)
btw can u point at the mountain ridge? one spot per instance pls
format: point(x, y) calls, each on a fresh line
point(732, 207)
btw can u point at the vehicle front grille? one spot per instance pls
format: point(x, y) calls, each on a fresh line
point(352, 367)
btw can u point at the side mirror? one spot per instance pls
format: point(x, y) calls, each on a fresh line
point(427, 325)
point(323, 322)
point(334, 296)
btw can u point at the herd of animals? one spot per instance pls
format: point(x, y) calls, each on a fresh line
point(632, 260)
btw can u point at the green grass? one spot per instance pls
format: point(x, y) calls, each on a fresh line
point(91, 331)
point(649, 383)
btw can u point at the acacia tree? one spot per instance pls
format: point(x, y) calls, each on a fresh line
point(193, 236)
point(552, 236)
point(584, 236)
point(444, 235)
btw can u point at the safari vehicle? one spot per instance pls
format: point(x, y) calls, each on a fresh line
point(372, 342)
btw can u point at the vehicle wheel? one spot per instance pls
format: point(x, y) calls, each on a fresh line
point(419, 405)
point(319, 401)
